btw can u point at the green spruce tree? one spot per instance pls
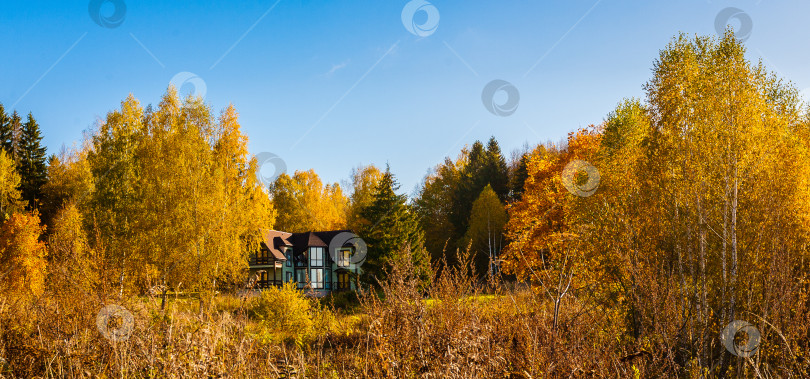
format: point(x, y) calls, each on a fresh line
point(31, 162)
point(5, 130)
point(496, 172)
point(393, 231)
point(12, 144)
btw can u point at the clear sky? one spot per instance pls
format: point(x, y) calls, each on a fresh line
point(331, 85)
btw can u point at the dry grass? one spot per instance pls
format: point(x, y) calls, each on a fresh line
point(458, 328)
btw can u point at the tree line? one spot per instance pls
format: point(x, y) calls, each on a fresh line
point(459, 207)
point(167, 197)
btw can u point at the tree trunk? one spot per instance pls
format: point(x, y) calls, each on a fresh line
point(703, 304)
point(734, 244)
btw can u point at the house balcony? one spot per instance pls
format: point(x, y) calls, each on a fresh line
point(265, 261)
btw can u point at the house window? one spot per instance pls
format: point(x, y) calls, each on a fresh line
point(300, 260)
point(343, 281)
point(344, 257)
point(288, 254)
point(289, 277)
point(301, 277)
point(327, 284)
point(263, 257)
point(316, 256)
point(316, 276)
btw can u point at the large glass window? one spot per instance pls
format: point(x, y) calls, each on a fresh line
point(301, 277)
point(316, 276)
point(288, 254)
point(344, 257)
point(316, 256)
point(289, 277)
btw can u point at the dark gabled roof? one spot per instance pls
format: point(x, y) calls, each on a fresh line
point(274, 240)
point(283, 240)
point(314, 241)
point(327, 236)
point(301, 241)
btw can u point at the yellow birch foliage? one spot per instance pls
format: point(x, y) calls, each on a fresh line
point(73, 264)
point(485, 234)
point(201, 205)
point(364, 182)
point(701, 214)
point(110, 211)
point(176, 198)
point(9, 186)
point(22, 255)
point(304, 203)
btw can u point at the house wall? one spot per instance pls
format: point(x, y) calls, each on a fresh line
point(331, 272)
point(293, 270)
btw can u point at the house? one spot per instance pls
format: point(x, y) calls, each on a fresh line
point(305, 258)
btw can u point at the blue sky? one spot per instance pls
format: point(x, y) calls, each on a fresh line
point(332, 85)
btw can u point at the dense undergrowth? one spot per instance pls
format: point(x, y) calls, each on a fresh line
point(458, 327)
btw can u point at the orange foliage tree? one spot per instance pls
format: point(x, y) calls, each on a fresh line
point(543, 227)
point(22, 254)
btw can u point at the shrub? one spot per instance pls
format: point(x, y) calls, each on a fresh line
point(284, 313)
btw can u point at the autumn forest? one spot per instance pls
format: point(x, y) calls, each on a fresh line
point(671, 239)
